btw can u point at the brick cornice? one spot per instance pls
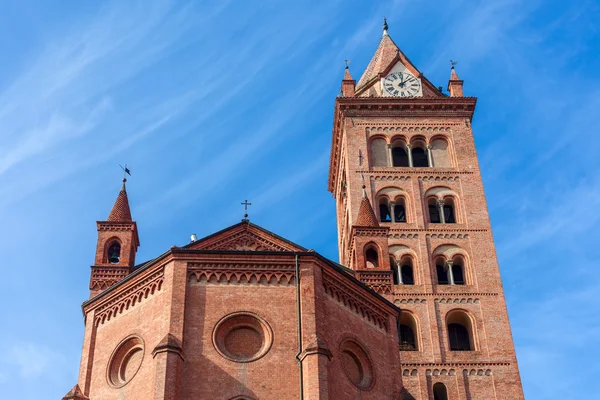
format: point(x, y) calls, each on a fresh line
point(348, 107)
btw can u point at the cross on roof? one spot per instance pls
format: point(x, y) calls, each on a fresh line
point(246, 204)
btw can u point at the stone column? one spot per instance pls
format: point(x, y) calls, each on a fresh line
point(392, 206)
point(390, 156)
point(410, 162)
point(399, 269)
point(429, 156)
point(440, 205)
point(450, 273)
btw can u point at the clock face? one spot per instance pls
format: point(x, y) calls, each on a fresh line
point(401, 84)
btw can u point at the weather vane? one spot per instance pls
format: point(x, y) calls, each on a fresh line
point(453, 63)
point(126, 172)
point(246, 204)
point(347, 63)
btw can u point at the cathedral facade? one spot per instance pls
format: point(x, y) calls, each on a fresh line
point(414, 310)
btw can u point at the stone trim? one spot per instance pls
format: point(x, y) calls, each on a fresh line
point(233, 273)
point(349, 297)
point(104, 277)
point(122, 301)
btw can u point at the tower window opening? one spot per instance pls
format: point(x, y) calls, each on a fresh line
point(458, 274)
point(449, 217)
point(407, 338)
point(372, 258)
point(460, 331)
point(384, 211)
point(399, 156)
point(400, 210)
point(407, 332)
point(407, 275)
point(394, 266)
point(434, 211)
point(440, 392)
point(114, 253)
point(419, 157)
point(458, 336)
point(442, 273)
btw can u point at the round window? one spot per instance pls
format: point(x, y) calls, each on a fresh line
point(125, 361)
point(242, 337)
point(356, 365)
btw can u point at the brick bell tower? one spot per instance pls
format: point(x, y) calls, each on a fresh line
point(413, 224)
point(117, 245)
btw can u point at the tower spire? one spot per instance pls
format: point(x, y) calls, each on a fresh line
point(121, 211)
point(385, 27)
point(348, 84)
point(366, 215)
point(455, 85)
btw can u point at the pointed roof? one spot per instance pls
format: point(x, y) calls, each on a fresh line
point(366, 215)
point(347, 75)
point(120, 211)
point(454, 75)
point(75, 394)
point(386, 52)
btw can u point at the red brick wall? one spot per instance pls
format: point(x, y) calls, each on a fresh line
point(482, 297)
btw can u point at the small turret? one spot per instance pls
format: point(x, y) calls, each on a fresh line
point(455, 85)
point(348, 84)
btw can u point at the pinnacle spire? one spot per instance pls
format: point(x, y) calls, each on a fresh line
point(453, 74)
point(366, 215)
point(385, 26)
point(347, 74)
point(121, 211)
point(386, 53)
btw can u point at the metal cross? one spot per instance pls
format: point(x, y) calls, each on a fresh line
point(126, 172)
point(246, 204)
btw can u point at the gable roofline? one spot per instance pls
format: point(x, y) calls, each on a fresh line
point(242, 223)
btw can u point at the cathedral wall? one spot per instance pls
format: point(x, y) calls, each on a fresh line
point(344, 324)
point(208, 374)
point(145, 320)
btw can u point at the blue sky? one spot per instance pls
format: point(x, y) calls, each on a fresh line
point(210, 105)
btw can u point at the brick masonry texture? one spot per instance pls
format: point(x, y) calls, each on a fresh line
point(313, 313)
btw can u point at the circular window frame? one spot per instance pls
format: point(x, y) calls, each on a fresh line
point(120, 354)
point(358, 352)
point(239, 320)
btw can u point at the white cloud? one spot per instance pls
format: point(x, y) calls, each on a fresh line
point(34, 360)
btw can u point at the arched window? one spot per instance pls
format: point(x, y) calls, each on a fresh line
point(440, 392)
point(460, 331)
point(407, 332)
point(372, 258)
point(399, 156)
point(419, 157)
point(408, 276)
point(384, 210)
point(458, 271)
point(114, 253)
point(407, 338)
point(400, 210)
point(434, 211)
point(394, 268)
point(403, 271)
point(458, 336)
point(439, 153)
point(449, 217)
point(442, 272)
point(379, 153)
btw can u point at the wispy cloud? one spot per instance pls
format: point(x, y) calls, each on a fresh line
point(33, 360)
